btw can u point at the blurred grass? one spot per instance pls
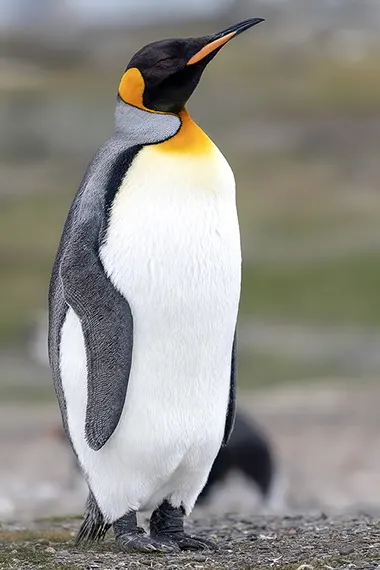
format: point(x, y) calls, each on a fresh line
point(301, 83)
point(29, 232)
point(257, 370)
point(310, 217)
point(33, 394)
point(341, 290)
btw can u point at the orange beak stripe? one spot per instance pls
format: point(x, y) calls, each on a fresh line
point(209, 48)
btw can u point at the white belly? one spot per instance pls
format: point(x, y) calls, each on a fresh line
point(173, 251)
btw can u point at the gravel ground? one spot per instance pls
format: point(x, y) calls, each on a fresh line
point(296, 542)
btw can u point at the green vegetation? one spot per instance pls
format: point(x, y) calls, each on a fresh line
point(265, 370)
point(29, 232)
point(343, 290)
point(46, 536)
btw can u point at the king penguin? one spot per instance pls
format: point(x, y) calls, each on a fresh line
point(143, 305)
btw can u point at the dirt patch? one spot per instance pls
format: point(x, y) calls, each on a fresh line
point(243, 544)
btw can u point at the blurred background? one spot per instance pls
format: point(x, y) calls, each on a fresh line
point(295, 106)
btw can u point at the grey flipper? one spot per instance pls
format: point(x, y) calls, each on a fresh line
point(79, 281)
point(231, 410)
point(107, 327)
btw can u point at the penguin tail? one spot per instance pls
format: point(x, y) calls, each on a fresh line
point(93, 527)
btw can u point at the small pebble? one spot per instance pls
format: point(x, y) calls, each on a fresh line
point(199, 558)
point(345, 550)
point(50, 550)
point(13, 551)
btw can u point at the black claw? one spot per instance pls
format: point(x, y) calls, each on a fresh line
point(142, 543)
point(186, 542)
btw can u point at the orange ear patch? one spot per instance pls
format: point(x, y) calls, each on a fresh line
point(131, 88)
point(209, 48)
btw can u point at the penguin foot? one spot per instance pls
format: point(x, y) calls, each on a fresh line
point(132, 538)
point(187, 542)
point(166, 526)
point(141, 542)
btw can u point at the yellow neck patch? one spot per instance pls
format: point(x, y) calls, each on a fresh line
point(190, 137)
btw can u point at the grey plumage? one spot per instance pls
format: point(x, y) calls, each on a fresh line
point(78, 279)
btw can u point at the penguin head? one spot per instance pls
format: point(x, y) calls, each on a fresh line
point(162, 75)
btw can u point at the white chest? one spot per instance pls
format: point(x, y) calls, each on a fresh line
point(173, 233)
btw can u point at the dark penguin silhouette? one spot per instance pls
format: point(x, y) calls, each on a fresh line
point(249, 452)
point(143, 305)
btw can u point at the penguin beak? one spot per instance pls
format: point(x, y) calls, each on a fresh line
point(221, 38)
